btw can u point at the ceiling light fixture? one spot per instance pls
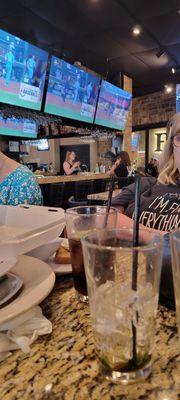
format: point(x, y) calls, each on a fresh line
point(168, 88)
point(173, 70)
point(136, 30)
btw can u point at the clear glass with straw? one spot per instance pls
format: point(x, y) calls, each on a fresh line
point(117, 309)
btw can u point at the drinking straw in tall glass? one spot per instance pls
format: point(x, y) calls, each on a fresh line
point(79, 222)
point(115, 306)
point(175, 252)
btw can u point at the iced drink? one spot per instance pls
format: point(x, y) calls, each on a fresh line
point(114, 309)
point(78, 266)
point(123, 319)
point(79, 222)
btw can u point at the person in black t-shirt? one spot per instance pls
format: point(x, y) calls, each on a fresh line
point(160, 199)
point(120, 167)
point(152, 167)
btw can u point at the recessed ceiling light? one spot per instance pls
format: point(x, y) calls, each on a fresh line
point(173, 70)
point(136, 30)
point(168, 88)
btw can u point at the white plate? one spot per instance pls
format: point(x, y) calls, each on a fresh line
point(6, 265)
point(59, 269)
point(9, 288)
point(38, 280)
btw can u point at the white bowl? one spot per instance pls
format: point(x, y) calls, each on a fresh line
point(44, 251)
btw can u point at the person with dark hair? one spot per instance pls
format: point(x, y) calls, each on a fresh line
point(18, 184)
point(152, 167)
point(120, 167)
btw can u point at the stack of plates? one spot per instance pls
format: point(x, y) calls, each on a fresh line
point(34, 277)
point(46, 253)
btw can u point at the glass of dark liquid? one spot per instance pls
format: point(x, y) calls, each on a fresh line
point(79, 222)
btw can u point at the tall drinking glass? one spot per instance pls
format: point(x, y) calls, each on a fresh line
point(80, 221)
point(123, 318)
point(175, 252)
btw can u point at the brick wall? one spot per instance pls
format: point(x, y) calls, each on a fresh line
point(153, 108)
point(127, 132)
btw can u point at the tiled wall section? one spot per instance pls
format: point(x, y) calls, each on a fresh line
point(102, 147)
point(153, 108)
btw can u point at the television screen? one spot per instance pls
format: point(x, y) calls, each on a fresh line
point(18, 127)
point(113, 106)
point(178, 98)
point(22, 72)
point(135, 137)
point(72, 92)
point(14, 147)
point(42, 145)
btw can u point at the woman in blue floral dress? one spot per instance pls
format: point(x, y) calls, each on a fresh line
point(18, 184)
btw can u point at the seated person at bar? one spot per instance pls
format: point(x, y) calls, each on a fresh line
point(71, 167)
point(120, 167)
point(18, 184)
point(160, 198)
point(152, 168)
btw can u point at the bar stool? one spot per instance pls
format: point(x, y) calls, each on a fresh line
point(75, 203)
point(56, 194)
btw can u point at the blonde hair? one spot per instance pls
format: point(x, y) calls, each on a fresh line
point(168, 170)
point(68, 155)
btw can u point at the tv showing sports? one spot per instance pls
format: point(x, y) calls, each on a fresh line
point(22, 127)
point(72, 92)
point(135, 137)
point(42, 145)
point(22, 72)
point(113, 106)
point(178, 98)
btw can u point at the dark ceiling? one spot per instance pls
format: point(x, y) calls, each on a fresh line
point(99, 34)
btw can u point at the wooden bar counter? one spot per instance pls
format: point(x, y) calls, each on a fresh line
point(84, 176)
point(63, 365)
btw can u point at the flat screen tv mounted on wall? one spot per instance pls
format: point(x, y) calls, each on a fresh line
point(113, 106)
point(22, 72)
point(22, 127)
point(72, 92)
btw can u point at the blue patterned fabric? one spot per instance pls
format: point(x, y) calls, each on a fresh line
point(20, 187)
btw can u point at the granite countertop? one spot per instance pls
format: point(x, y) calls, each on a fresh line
point(62, 366)
point(103, 195)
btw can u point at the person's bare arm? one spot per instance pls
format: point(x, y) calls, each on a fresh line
point(67, 169)
point(125, 222)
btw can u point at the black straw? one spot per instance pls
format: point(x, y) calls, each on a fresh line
point(111, 188)
point(135, 252)
point(136, 229)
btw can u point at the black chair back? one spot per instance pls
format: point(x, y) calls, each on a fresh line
point(124, 181)
point(75, 203)
point(100, 185)
point(82, 189)
point(56, 194)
